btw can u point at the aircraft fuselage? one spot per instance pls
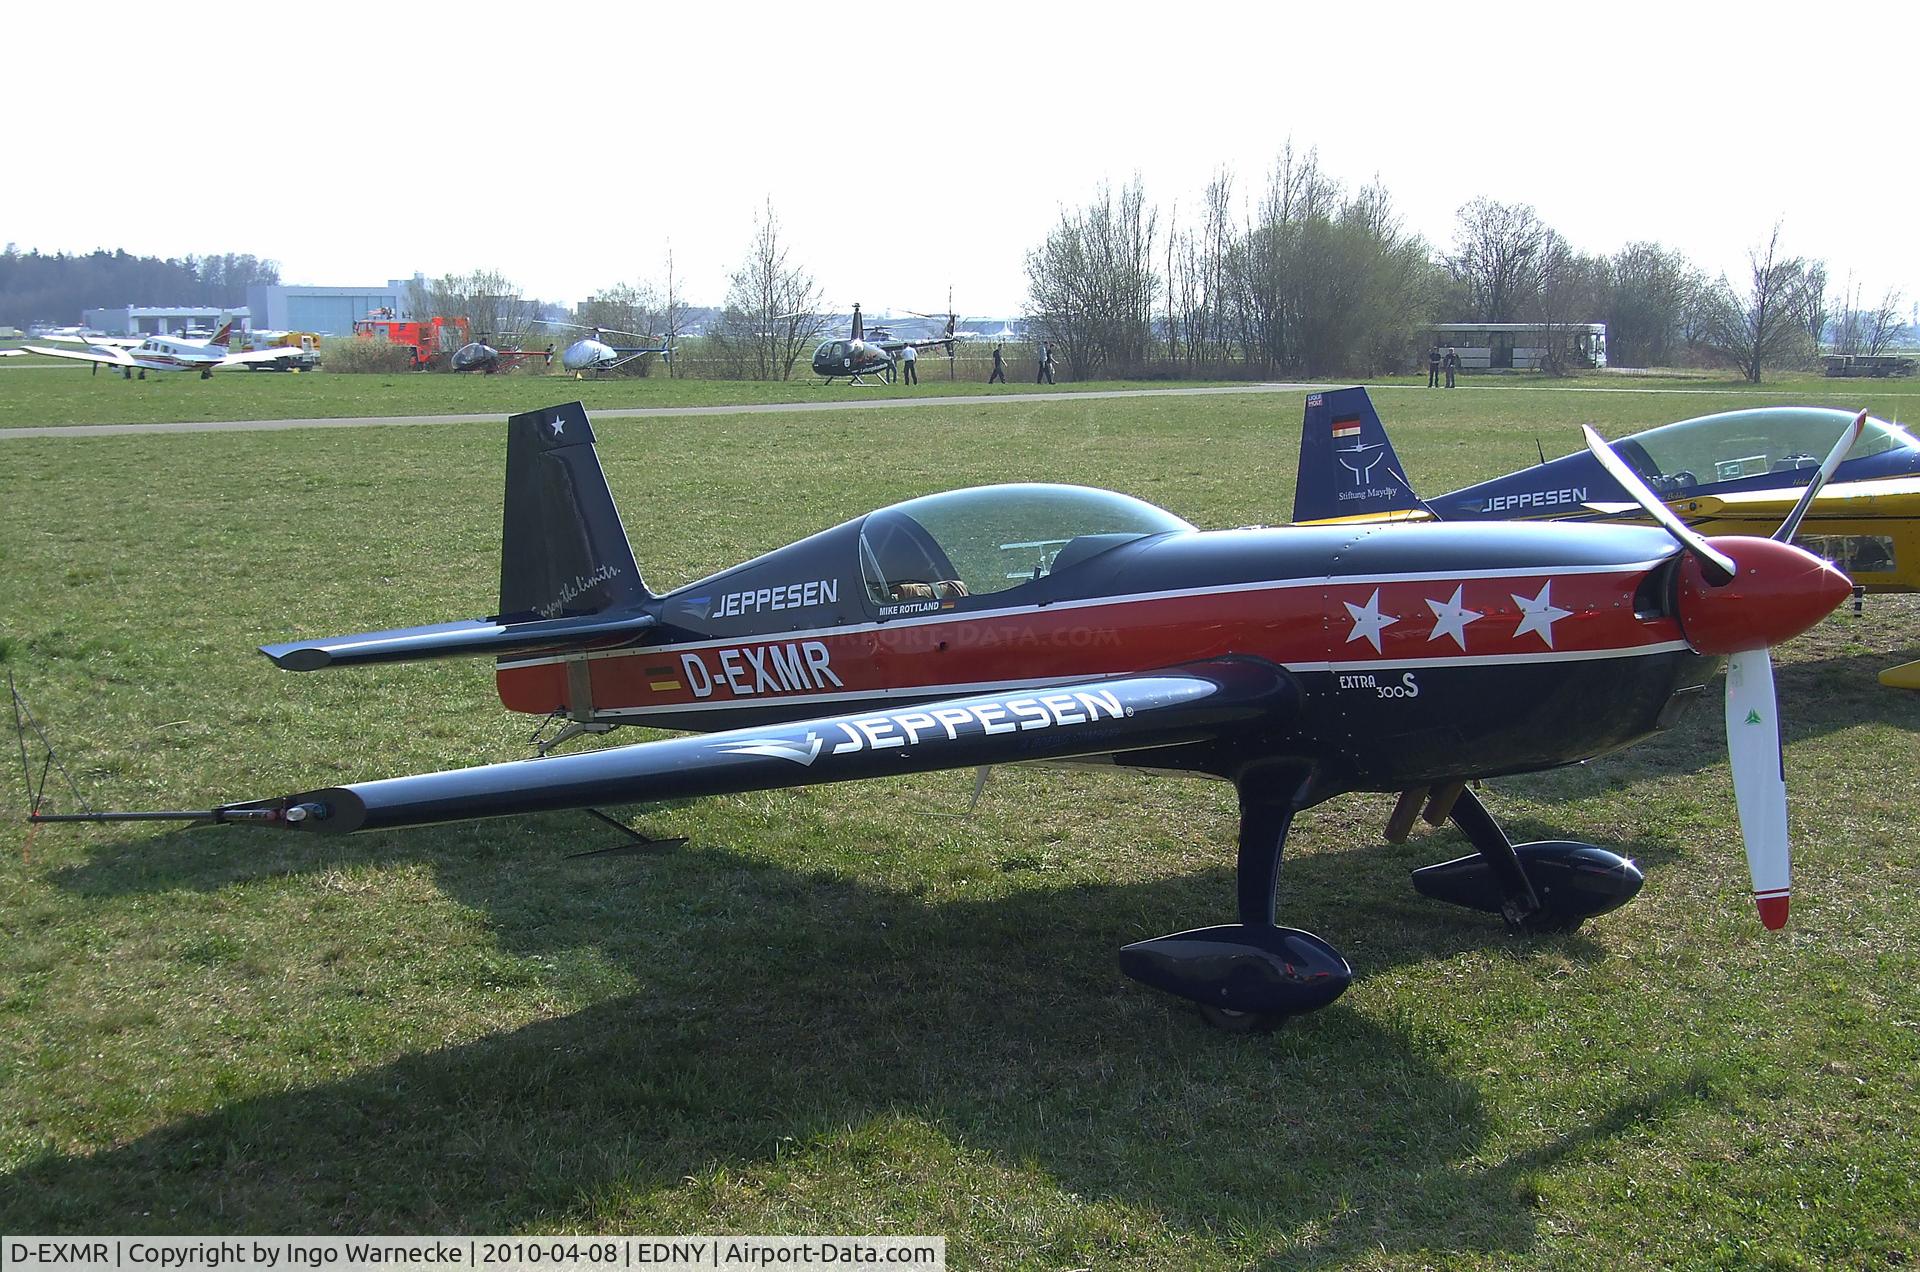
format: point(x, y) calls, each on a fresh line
point(1525, 647)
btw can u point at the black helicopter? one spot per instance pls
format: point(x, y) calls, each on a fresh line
point(857, 356)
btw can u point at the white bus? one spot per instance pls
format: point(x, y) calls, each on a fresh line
point(1521, 346)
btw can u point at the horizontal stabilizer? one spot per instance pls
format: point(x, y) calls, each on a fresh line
point(450, 640)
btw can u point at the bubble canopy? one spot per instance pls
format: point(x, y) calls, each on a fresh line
point(1737, 444)
point(991, 538)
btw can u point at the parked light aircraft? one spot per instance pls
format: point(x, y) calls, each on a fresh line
point(1008, 624)
point(169, 353)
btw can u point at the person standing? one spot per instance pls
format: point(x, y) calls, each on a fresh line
point(1453, 365)
point(1433, 367)
point(909, 373)
point(999, 366)
point(1046, 365)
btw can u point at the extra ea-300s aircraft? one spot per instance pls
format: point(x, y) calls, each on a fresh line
point(1016, 623)
point(858, 356)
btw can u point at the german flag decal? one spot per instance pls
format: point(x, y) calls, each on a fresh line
point(662, 679)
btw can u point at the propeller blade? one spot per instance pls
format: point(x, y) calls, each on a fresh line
point(1759, 783)
point(1714, 564)
point(1839, 452)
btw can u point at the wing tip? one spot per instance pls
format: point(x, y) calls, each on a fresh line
point(1773, 909)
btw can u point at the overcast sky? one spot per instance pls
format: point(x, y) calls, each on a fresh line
point(906, 148)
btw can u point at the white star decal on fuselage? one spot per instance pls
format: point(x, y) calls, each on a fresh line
point(1450, 618)
point(1539, 614)
point(1368, 621)
point(559, 426)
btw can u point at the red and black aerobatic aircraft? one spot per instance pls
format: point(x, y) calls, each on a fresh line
point(1014, 623)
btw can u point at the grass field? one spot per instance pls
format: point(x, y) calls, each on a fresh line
point(65, 393)
point(53, 393)
point(844, 1009)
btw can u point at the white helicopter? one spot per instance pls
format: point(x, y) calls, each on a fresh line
point(591, 353)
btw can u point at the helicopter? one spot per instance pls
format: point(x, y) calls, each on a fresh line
point(858, 356)
point(481, 355)
point(591, 353)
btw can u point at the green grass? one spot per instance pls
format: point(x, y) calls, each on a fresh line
point(841, 1009)
point(34, 393)
point(65, 393)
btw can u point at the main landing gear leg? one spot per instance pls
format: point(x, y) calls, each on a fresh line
point(1251, 975)
point(1549, 886)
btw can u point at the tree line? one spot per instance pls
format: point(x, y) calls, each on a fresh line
point(57, 287)
point(1301, 276)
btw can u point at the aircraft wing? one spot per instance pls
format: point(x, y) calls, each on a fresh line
point(1180, 705)
point(258, 356)
point(111, 357)
point(110, 342)
point(1885, 497)
point(1889, 497)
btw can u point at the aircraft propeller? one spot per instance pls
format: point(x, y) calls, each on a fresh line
point(1733, 615)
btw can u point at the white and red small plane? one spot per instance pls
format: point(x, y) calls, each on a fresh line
point(166, 353)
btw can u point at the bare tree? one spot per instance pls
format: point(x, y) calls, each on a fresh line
point(1574, 290)
point(772, 311)
point(1198, 298)
point(1647, 305)
point(675, 314)
point(1497, 255)
point(1848, 324)
point(1883, 324)
point(628, 310)
point(1811, 303)
point(1764, 328)
point(489, 301)
point(1091, 285)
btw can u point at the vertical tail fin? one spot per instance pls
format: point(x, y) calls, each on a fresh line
point(1347, 464)
point(221, 336)
point(563, 551)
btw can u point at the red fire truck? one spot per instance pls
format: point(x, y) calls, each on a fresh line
point(430, 339)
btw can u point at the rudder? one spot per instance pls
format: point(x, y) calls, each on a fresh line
point(563, 550)
point(1347, 465)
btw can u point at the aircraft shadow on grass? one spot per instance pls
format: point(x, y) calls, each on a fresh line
point(774, 1007)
